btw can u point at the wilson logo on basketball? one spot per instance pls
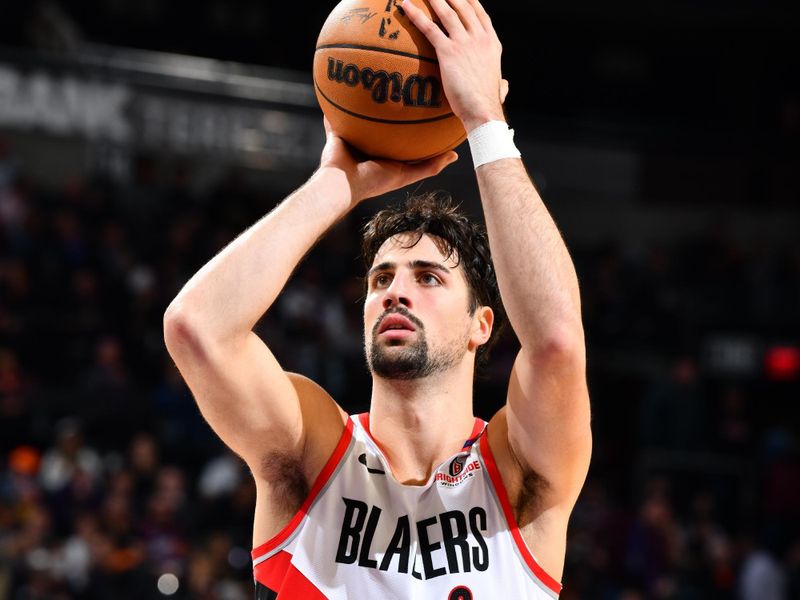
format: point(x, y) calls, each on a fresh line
point(414, 90)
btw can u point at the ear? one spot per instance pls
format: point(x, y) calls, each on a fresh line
point(482, 322)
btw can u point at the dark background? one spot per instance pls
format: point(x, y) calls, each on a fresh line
point(724, 72)
point(664, 137)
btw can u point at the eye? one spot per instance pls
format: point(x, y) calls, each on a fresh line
point(428, 278)
point(381, 280)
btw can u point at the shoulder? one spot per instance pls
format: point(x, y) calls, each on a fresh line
point(284, 479)
point(524, 486)
point(323, 424)
point(543, 527)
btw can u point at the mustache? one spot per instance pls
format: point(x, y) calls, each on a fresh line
point(399, 310)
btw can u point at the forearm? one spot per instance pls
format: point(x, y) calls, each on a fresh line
point(535, 273)
point(227, 296)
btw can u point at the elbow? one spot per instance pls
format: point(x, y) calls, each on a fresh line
point(562, 344)
point(175, 318)
point(189, 335)
point(180, 332)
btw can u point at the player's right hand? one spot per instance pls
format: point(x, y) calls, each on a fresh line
point(368, 177)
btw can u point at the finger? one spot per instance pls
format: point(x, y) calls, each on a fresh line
point(448, 17)
point(482, 15)
point(426, 26)
point(427, 168)
point(327, 125)
point(388, 175)
point(466, 12)
point(503, 90)
point(435, 165)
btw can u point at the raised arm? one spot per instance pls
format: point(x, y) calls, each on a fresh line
point(239, 387)
point(547, 412)
point(264, 414)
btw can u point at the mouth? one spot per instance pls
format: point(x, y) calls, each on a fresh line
point(396, 325)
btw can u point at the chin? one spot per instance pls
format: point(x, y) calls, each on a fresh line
point(395, 343)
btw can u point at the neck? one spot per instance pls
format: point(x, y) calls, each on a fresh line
point(419, 423)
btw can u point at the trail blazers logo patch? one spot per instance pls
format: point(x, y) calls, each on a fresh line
point(457, 465)
point(458, 471)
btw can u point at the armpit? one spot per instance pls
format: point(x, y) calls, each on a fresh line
point(284, 474)
point(529, 490)
point(527, 504)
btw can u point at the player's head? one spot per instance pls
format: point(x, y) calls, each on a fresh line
point(426, 262)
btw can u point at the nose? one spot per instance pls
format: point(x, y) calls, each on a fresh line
point(396, 295)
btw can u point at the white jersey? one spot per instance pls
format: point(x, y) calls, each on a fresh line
point(362, 535)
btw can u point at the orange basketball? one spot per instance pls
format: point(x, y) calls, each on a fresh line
point(377, 80)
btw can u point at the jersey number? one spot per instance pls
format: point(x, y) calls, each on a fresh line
point(460, 593)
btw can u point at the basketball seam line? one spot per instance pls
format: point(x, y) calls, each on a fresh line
point(377, 49)
point(376, 119)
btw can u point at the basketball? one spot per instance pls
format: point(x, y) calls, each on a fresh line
point(377, 80)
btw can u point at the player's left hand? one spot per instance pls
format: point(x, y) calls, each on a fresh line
point(468, 51)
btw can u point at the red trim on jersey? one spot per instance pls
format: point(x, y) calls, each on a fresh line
point(320, 482)
point(280, 575)
point(363, 418)
point(273, 571)
point(502, 495)
point(477, 428)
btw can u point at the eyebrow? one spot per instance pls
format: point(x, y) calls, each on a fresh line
point(414, 264)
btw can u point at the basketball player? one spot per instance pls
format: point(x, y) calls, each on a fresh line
point(417, 498)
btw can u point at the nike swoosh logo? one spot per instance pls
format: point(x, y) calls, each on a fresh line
point(362, 458)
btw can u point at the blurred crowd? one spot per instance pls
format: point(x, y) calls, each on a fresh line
point(113, 486)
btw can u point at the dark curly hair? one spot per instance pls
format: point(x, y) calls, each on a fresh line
point(436, 214)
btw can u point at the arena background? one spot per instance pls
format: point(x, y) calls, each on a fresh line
point(137, 138)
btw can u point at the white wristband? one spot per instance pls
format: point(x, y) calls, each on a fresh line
point(492, 141)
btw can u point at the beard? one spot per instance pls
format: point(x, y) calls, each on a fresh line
point(398, 359)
